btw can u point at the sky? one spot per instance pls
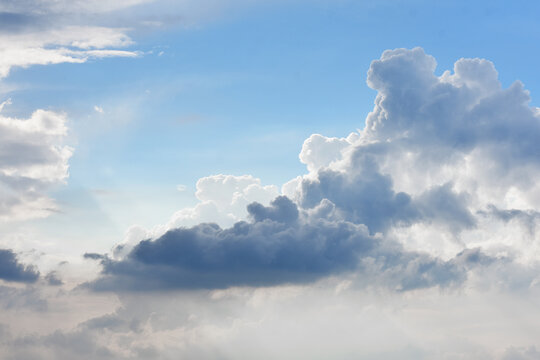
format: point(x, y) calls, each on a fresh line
point(302, 179)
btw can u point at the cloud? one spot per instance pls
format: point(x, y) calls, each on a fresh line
point(278, 247)
point(521, 354)
point(32, 160)
point(459, 127)
point(12, 270)
point(401, 202)
point(436, 153)
point(69, 44)
point(54, 32)
point(53, 279)
point(319, 151)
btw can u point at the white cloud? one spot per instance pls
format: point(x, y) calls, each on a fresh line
point(32, 160)
point(442, 162)
point(319, 151)
point(69, 44)
point(223, 199)
point(460, 131)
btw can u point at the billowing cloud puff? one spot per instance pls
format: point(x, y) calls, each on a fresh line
point(319, 151)
point(32, 159)
point(461, 128)
point(223, 199)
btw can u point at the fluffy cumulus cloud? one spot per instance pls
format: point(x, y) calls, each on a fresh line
point(33, 158)
point(442, 162)
point(223, 199)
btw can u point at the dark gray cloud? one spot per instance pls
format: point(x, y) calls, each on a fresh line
point(94, 256)
point(12, 270)
point(15, 22)
point(53, 279)
point(278, 247)
point(364, 196)
point(442, 205)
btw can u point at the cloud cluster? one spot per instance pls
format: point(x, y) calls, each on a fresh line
point(440, 161)
point(436, 153)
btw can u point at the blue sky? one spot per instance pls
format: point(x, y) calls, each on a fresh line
point(178, 114)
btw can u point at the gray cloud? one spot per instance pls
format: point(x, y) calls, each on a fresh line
point(12, 270)
point(278, 247)
point(12, 22)
point(364, 196)
point(516, 353)
point(27, 298)
point(53, 279)
point(441, 119)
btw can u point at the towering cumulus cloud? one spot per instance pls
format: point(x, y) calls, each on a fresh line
point(411, 201)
